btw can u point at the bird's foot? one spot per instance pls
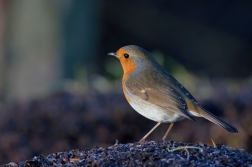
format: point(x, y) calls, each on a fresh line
point(142, 141)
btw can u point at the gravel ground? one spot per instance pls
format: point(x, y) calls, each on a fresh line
point(161, 153)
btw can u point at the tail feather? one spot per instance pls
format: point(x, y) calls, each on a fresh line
point(211, 117)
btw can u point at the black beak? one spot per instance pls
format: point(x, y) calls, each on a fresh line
point(112, 54)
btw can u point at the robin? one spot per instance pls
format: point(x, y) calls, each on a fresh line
point(156, 94)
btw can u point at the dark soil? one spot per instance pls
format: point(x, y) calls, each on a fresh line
point(65, 121)
point(151, 153)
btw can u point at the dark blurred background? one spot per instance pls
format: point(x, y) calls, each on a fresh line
point(59, 90)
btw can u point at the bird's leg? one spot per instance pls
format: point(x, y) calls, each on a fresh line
point(168, 130)
point(143, 139)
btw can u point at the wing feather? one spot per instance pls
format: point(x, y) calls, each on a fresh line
point(168, 98)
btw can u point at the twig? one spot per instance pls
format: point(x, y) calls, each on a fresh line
point(214, 143)
point(183, 148)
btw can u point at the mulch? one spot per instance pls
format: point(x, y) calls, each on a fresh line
point(151, 153)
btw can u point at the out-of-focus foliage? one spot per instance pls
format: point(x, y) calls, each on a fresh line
point(46, 44)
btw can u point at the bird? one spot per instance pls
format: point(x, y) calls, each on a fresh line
point(156, 94)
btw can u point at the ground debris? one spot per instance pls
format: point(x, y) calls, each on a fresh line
point(148, 154)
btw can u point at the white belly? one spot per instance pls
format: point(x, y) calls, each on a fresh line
point(152, 111)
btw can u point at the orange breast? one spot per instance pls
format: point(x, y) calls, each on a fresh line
point(125, 94)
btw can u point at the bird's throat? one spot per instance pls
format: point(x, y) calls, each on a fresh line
point(128, 68)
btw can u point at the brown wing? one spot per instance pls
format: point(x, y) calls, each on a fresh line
point(168, 98)
point(171, 80)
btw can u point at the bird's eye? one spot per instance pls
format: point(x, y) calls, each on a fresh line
point(126, 56)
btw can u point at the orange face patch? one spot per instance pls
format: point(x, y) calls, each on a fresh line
point(128, 64)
